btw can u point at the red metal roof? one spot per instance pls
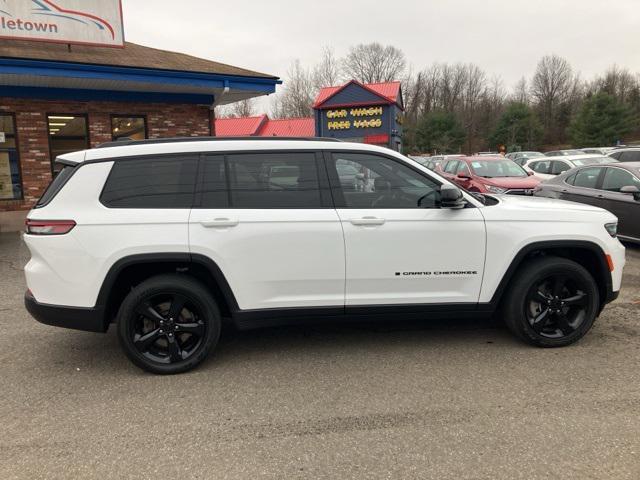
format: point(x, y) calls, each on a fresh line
point(389, 91)
point(289, 127)
point(263, 126)
point(239, 126)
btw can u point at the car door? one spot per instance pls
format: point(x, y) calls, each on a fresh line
point(268, 222)
point(583, 187)
point(622, 205)
point(401, 247)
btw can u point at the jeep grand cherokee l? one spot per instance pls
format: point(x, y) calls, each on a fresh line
point(168, 237)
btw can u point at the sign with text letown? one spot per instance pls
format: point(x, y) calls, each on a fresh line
point(84, 22)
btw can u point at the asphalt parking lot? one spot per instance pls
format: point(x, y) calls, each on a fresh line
point(417, 400)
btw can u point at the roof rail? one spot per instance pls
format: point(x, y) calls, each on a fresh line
point(128, 141)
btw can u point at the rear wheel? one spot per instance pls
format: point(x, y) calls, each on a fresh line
point(168, 324)
point(552, 302)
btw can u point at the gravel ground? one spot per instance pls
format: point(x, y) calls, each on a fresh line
point(440, 400)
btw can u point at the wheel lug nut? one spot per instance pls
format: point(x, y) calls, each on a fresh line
point(161, 331)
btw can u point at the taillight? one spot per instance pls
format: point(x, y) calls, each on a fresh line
point(49, 227)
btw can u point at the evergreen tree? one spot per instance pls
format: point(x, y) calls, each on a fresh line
point(439, 132)
point(601, 121)
point(517, 128)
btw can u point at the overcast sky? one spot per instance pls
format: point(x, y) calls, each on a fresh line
point(504, 37)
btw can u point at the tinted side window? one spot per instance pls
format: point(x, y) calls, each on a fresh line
point(384, 183)
point(616, 155)
point(541, 167)
point(274, 180)
point(559, 167)
point(616, 178)
point(630, 156)
point(213, 190)
point(151, 182)
point(463, 168)
point(451, 167)
point(55, 186)
point(587, 177)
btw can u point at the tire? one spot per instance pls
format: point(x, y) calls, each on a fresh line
point(168, 324)
point(552, 302)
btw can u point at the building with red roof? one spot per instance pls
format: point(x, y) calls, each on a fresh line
point(357, 112)
point(263, 126)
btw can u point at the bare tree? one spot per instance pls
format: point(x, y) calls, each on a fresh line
point(327, 72)
point(551, 87)
point(521, 92)
point(616, 81)
point(243, 108)
point(374, 63)
point(296, 97)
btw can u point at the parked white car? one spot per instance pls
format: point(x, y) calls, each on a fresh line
point(548, 167)
point(168, 237)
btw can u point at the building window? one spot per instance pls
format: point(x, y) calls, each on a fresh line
point(134, 128)
point(67, 133)
point(10, 179)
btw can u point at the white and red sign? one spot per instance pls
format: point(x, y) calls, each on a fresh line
point(85, 22)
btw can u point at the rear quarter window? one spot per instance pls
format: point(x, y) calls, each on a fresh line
point(59, 181)
point(151, 182)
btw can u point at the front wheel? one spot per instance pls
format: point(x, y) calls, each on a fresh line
point(552, 302)
point(168, 324)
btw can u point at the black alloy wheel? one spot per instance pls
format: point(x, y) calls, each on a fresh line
point(168, 328)
point(168, 324)
point(551, 302)
point(556, 306)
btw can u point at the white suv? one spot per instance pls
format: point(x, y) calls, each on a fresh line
point(169, 237)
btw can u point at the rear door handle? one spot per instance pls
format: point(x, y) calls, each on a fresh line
point(367, 221)
point(219, 223)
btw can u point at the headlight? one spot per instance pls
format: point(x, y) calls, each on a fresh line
point(493, 189)
point(612, 229)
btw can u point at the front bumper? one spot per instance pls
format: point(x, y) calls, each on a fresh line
point(77, 318)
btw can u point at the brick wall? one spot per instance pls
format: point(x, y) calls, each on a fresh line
point(163, 120)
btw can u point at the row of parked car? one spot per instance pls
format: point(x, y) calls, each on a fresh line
point(610, 181)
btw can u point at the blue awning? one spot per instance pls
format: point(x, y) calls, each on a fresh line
point(28, 78)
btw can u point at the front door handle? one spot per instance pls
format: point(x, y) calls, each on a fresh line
point(219, 223)
point(367, 221)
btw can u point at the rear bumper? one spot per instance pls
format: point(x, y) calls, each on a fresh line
point(88, 319)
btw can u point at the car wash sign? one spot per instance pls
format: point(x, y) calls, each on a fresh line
point(84, 22)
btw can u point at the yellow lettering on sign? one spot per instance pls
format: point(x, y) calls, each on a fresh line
point(366, 112)
point(336, 113)
point(373, 123)
point(341, 125)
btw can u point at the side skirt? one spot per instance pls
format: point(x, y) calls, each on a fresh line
point(252, 319)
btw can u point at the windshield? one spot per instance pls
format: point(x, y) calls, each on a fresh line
point(497, 168)
point(592, 160)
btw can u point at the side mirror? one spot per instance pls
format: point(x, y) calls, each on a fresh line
point(463, 176)
point(530, 173)
point(451, 197)
point(633, 190)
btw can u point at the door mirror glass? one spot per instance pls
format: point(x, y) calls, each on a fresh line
point(451, 197)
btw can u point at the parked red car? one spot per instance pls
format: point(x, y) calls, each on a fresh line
point(489, 175)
